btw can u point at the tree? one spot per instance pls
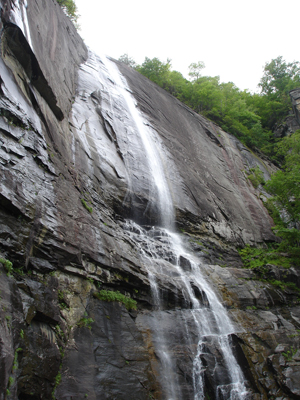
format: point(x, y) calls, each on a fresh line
point(280, 77)
point(284, 185)
point(70, 9)
point(156, 70)
point(250, 117)
point(278, 80)
point(195, 70)
point(127, 60)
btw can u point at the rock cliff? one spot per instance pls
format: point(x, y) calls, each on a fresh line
point(99, 168)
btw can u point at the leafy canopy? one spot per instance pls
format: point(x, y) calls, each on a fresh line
point(285, 184)
point(127, 60)
point(250, 117)
point(280, 77)
point(156, 70)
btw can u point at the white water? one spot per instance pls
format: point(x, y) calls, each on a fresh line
point(150, 142)
point(209, 317)
point(170, 267)
point(19, 16)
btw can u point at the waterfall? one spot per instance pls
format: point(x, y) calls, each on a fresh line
point(170, 262)
point(205, 327)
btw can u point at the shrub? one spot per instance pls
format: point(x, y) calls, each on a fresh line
point(85, 321)
point(256, 177)
point(109, 295)
point(8, 265)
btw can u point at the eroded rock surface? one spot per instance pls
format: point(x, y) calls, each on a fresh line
point(73, 171)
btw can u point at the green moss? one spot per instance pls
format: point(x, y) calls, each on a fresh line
point(61, 300)
point(109, 295)
point(15, 363)
point(90, 209)
point(57, 382)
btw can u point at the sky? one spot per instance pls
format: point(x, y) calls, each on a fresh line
point(234, 38)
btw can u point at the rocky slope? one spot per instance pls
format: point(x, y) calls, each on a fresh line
point(74, 174)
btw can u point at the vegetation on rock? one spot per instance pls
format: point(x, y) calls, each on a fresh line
point(70, 9)
point(85, 321)
point(109, 295)
point(8, 265)
point(86, 206)
point(256, 177)
point(250, 117)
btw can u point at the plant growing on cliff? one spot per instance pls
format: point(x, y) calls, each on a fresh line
point(85, 321)
point(256, 177)
point(61, 299)
point(257, 258)
point(86, 206)
point(8, 265)
point(109, 295)
point(284, 185)
point(70, 9)
point(289, 354)
point(56, 383)
point(124, 58)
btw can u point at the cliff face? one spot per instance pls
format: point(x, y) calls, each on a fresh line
point(99, 167)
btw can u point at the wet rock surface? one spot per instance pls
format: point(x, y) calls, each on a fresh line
point(66, 145)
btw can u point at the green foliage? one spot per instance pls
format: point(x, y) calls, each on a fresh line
point(223, 103)
point(109, 295)
point(250, 117)
point(279, 78)
point(257, 258)
point(156, 71)
point(61, 300)
point(56, 383)
point(278, 283)
point(15, 363)
point(58, 379)
point(70, 9)
point(290, 353)
point(85, 321)
point(8, 265)
point(256, 177)
point(90, 209)
point(195, 69)
point(284, 185)
point(127, 60)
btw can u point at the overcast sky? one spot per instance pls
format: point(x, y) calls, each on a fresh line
point(233, 38)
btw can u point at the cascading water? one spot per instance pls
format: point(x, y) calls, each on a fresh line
point(168, 262)
point(204, 323)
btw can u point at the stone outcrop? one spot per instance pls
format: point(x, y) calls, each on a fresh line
point(295, 97)
point(292, 122)
point(66, 148)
